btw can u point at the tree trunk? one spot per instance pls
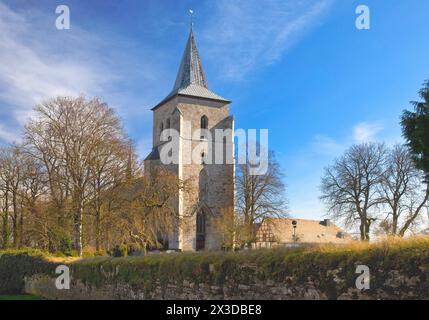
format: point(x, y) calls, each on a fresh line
point(394, 224)
point(6, 231)
point(144, 248)
point(97, 230)
point(6, 235)
point(21, 228)
point(97, 218)
point(416, 213)
point(368, 223)
point(367, 227)
point(78, 227)
point(14, 220)
point(362, 231)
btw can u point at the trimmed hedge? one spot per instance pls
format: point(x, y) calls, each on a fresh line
point(18, 264)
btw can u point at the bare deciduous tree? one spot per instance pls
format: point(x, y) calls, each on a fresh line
point(66, 135)
point(350, 186)
point(108, 169)
point(11, 176)
point(145, 207)
point(232, 229)
point(5, 191)
point(260, 196)
point(400, 191)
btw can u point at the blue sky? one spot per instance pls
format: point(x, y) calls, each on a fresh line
point(299, 68)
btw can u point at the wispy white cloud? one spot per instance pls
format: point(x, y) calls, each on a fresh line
point(8, 135)
point(327, 146)
point(37, 61)
point(244, 35)
point(360, 133)
point(34, 68)
point(307, 164)
point(366, 132)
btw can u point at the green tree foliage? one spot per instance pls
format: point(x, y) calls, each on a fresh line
point(415, 127)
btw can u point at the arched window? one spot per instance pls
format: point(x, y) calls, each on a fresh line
point(161, 127)
point(204, 126)
point(201, 223)
point(201, 231)
point(167, 124)
point(204, 122)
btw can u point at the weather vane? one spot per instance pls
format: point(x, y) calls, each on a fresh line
point(191, 12)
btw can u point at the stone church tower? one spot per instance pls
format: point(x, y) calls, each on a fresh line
point(190, 107)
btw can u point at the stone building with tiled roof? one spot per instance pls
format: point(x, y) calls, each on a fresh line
point(191, 107)
point(285, 231)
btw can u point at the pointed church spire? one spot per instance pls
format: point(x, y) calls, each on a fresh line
point(191, 79)
point(191, 69)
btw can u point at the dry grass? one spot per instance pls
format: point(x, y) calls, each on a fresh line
point(64, 260)
point(387, 244)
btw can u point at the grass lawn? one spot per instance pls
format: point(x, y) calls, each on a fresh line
point(20, 297)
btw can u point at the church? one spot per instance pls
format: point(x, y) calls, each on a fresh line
point(191, 104)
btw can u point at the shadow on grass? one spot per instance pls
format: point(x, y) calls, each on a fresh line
point(21, 297)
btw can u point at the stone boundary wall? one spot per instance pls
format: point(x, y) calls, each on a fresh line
point(395, 273)
point(399, 287)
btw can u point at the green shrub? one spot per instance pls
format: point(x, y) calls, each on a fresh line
point(120, 251)
point(93, 253)
point(16, 265)
point(65, 246)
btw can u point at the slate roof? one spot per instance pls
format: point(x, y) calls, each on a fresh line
point(191, 80)
point(153, 155)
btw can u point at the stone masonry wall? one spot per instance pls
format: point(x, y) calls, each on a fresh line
point(43, 285)
point(397, 270)
point(210, 186)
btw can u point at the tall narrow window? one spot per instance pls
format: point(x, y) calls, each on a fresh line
point(201, 231)
point(204, 122)
point(161, 128)
point(201, 223)
point(167, 124)
point(204, 126)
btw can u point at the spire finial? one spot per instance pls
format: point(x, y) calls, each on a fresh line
point(191, 12)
